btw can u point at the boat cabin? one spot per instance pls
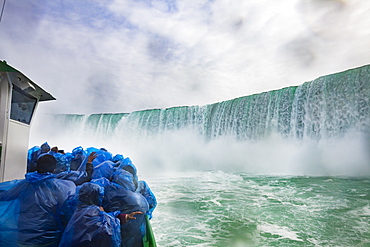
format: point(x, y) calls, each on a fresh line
point(19, 97)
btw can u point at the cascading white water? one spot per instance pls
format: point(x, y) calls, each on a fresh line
point(319, 128)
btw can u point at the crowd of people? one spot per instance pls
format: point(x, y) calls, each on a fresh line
point(87, 197)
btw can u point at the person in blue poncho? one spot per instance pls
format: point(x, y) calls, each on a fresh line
point(39, 200)
point(84, 172)
point(62, 160)
point(120, 196)
point(78, 155)
point(34, 153)
point(144, 189)
point(90, 225)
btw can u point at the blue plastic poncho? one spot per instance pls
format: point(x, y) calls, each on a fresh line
point(34, 153)
point(77, 172)
point(9, 211)
point(33, 209)
point(124, 179)
point(103, 170)
point(143, 188)
point(78, 177)
point(89, 226)
point(45, 147)
point(62, 164)
point(127, 165)
point(119, 198)
point(89, 150)
point(79, 156)
point(103, 182)
point(118, 158)
point(127, 162)
point(102, 155)
point(32, 156)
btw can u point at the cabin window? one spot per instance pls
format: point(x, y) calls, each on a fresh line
point(23, 106)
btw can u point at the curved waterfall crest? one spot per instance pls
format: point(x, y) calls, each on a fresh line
point(327, 107)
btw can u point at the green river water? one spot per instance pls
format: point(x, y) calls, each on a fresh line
point(215, 208)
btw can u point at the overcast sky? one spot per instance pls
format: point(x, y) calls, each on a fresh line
point(104, 56)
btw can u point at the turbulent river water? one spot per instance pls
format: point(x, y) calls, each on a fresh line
point(214, 208)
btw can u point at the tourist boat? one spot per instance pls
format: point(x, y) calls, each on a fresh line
point(149, 239)
point(19, 97)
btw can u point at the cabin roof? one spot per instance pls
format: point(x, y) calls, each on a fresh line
point(39, 93)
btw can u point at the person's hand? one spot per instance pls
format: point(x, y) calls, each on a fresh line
point(131, 216)
point(124, 218)
point(91, 157)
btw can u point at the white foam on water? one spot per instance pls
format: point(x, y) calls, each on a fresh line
point(282, 231)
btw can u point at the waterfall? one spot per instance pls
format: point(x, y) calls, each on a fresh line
point(324, 112)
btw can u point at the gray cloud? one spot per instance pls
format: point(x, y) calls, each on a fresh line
point(122, 56)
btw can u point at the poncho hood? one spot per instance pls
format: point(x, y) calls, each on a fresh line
point(35, 177)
